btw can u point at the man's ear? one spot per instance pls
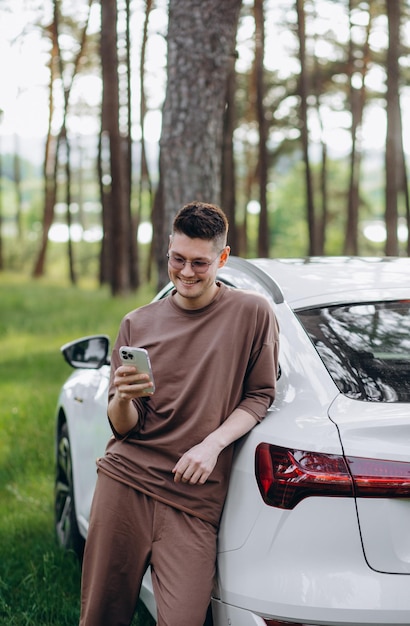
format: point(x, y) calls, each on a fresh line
point(224, 256)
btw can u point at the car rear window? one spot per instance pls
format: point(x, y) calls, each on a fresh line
point(365, 347)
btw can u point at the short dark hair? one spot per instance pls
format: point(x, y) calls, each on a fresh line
point(203, 221)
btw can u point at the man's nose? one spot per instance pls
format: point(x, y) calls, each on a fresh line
point(187, 269)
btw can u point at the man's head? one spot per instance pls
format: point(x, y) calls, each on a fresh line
point(200, 220)
point(197, 249)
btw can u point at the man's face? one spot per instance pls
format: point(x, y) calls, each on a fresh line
point(195, 289)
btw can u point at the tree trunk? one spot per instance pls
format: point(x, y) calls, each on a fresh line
point(17, 185)
point(1, 204)
point(319, 89)
point(303, 94)
point(263, 231)
point(103, 171)
point(405, 188)
point(50, 158)
point(133, 220)
point(68, 201)
point(228, 184)
point(357, 104)
point(145, 178)
point(119, 217)
point(393, 160)
point(201, 40)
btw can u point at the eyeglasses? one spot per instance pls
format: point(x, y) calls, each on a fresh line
point(199, 267)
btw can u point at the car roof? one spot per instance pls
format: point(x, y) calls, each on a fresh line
point(316, 281)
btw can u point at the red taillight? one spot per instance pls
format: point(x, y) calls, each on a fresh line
point(374, 478)
point(285, 476)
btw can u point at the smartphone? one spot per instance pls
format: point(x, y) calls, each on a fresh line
point(138, 357)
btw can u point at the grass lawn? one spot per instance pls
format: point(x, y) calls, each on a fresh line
point(39, 583)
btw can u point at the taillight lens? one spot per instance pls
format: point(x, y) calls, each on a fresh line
point(286, 476)
point(375, 478)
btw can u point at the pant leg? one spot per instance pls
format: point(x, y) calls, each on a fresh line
point(117, 553)
point(183, 568)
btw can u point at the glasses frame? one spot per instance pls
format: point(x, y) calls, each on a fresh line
point(193, 264)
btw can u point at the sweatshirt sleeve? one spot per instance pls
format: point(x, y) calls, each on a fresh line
point(260, 381)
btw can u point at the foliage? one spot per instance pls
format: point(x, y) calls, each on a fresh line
point(40, 584)
point(347, 71)
point(287, 222)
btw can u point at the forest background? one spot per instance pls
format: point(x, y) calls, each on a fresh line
point(292, 115)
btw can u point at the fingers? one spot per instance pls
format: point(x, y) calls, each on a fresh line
point(192, 473)
point(130, 384)
point(197, 478)
point(195, 466)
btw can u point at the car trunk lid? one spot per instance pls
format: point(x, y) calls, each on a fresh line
point(379, 432)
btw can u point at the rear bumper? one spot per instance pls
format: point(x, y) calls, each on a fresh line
point(229, 615)
point(301, 567)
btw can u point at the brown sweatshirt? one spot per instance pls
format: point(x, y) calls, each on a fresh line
point(206, 363)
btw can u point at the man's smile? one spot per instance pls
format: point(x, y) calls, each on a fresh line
point(188, 282)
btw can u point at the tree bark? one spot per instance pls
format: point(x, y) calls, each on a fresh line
point(201, 40)
point(357, 99)
point(50, 157)
point(18, 187)
point(133, 219)
point(393, 142)
point(51, 160)
point(303, 93)
point(145, 177)
point(118, 223)
point(262, 169)
point(228, 184)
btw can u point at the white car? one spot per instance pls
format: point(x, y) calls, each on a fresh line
point(316, 526)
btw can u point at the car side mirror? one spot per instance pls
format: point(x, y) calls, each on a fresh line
point(87, 352)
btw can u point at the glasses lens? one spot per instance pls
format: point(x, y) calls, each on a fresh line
point(176, 262)
point(200, 267)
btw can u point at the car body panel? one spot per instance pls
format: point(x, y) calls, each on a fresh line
point(332, 583)
point(303, 396)
point(380, 431)
point(315, 281)
point(84, 399)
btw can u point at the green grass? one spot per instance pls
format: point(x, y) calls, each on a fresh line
point(39, 583)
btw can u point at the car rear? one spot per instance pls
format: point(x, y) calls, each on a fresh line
point(316, 527)
point(366, 348)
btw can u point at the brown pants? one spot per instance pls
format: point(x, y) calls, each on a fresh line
point(130, 531)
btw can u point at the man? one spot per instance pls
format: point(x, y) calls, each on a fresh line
point(162, 482)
